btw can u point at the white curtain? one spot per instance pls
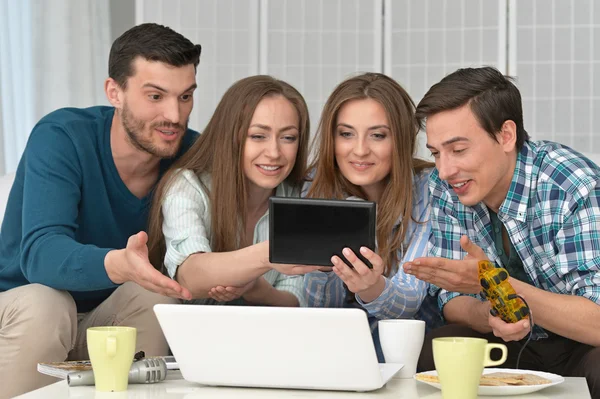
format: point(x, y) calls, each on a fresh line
point(53, 54)
point(16, 83)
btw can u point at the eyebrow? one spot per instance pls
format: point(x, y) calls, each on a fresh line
point(370, 128)
point(153, 86)
point(448, 142)
point(268, 128)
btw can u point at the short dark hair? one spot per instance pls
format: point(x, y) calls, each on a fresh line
point(493, 99)
point(153, 42)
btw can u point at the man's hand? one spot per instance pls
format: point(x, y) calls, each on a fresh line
point(132, 264)
point(452, 275)
point(227, 294)
point(509, 331)
point(367, 283)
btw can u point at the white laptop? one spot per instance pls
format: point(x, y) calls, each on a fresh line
point(271, 347)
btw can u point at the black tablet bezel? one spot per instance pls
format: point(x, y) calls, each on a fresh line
point(370, 206)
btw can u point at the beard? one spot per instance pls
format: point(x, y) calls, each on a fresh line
point(135, 129)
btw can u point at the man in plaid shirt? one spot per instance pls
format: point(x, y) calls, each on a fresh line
point(530, 207)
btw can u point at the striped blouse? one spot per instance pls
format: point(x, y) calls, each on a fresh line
point(187, 225)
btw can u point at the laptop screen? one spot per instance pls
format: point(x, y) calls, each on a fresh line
point(310, 231)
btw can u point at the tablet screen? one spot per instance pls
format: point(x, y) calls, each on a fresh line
point(309, 231)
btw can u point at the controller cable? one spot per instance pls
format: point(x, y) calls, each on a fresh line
point(514, 296)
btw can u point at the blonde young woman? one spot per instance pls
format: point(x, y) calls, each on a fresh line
point(209, 221)
point(365, 148)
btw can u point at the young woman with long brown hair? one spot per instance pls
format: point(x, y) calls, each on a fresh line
point(365, 149)
point(209, 220)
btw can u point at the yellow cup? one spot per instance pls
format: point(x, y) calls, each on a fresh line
point(459, 363)
point(111, 352)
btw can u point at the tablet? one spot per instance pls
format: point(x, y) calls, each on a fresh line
point(308, 231)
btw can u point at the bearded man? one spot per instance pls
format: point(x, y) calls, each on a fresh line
point(73, 249)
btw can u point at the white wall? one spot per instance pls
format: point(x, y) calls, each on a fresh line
point(557, 65)
point(312, 44)
point(122, 17)
point(315, 44)
point(551, 47)
point(427, 39)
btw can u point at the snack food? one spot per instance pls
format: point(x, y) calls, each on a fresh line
point(496, 379)
point(514, 378)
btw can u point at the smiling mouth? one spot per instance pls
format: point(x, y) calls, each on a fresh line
point(167, 132)
point(459, 185)
point(270, 168)
point(361, 166)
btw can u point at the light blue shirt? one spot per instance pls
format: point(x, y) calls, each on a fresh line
point(404, 296)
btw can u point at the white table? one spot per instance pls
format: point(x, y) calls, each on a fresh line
point(176, 388)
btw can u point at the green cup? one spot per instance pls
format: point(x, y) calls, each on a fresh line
point(111, 352)
point(459, 363)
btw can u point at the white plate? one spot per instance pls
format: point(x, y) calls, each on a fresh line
point(506, 390)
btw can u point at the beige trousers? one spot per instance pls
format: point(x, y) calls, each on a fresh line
point(40, 324)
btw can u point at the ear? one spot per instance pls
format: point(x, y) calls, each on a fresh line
point(508, 136)
point(114, 93)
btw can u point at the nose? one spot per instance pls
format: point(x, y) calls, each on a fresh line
point(172, 111)
point(361, 148)
point(272, 149)
point(446, 168)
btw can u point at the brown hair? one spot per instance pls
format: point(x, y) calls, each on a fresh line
point(396, 200)
point(219, 151)
point(152, 42)
point(493, 99)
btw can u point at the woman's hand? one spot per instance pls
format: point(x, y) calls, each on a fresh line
point(287, 269)
point(367, 283)
point(227, 294)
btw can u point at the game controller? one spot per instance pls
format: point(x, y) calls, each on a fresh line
point(503, 299)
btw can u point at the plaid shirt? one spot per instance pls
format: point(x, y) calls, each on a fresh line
point(404, 296)
point(551, 214)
